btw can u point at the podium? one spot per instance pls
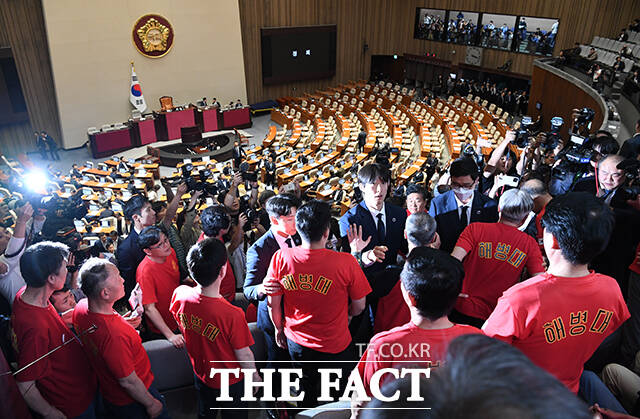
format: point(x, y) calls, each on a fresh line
point(190, 134)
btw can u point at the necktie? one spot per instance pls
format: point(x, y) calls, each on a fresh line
point(464, 220)
point(297, 241)
point(288, 241)
point(381, 230)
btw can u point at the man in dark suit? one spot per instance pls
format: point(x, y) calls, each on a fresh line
point(382, 224)
point(238, 154)
point(631, 147)
point(462, 205)
point(362, 140)
point(282, 214)
point(129, 254)
point(381, 221)
point(270, 171)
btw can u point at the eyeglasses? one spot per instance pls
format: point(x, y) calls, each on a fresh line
point(459, 185)
point(160, 244)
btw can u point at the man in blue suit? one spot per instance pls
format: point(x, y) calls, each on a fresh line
point(282, 214)
point(382, 224)
point(462, 205)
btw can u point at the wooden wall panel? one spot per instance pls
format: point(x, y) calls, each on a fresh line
point(387, 27)
point(23, 28)
point(545, 84)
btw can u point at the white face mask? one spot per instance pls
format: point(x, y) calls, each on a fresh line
point(463, 193)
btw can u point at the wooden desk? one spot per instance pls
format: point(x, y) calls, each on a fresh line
point(271, 136)
point(296, 132)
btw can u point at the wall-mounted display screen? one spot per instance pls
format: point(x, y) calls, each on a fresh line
point(462, 27)
point(430, 24)
point(497, 31)
point(536, 35)
point(524, 34)
point(298, 53)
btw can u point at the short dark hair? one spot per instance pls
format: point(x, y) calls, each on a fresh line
point(41, 260)
point(281, 204)
point(608, 144)
point(464, 166)
point(205, 260)
point(149, 236)
point(313, 219)
point(415, 188)
point(134, 206)
point(581, 224)
point(434, 279)
point(214, 219)
point(372, 172)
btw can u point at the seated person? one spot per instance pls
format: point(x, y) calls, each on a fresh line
point(431, 281)
point(114, 348)
point(229, 342)
point(158, 275)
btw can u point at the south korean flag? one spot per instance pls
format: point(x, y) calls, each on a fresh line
point(135, 93)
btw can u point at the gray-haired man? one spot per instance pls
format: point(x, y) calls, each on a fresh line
point(494, 256)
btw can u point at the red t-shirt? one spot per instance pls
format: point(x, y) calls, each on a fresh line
point(114, 350)
point(228, 284)
point(392, 311)
point(394, 348)
point(496, 256)
point(157, 282)
point(64, 378)
point(635, 265)
point(316, 286)
point(559, 322)
point(212, 329)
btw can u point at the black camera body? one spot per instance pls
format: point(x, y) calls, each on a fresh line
point(200, 183)
point(632, 170)
point(249, 212)
point(523, 134)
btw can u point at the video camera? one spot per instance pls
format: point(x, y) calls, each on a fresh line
point(250, 213)
point(553, 138)
point(524, 133)
point(631, 168)
point(583, 117)
point(470, 152)
point(197, 184)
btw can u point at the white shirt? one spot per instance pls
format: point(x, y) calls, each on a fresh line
point(461, 204)
point(365, 260)
point(282, 240)
point(12, 281)
point(375, 213)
